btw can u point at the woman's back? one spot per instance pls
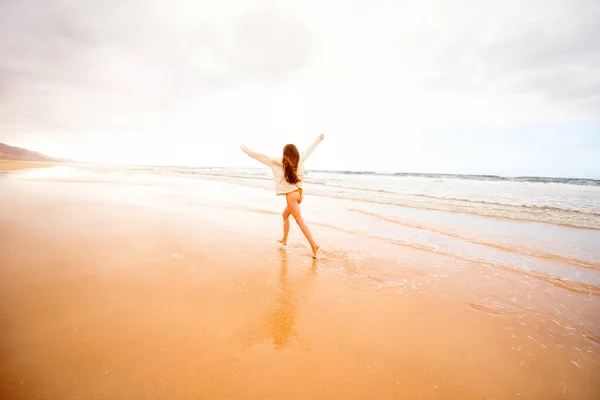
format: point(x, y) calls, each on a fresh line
point(282, 186)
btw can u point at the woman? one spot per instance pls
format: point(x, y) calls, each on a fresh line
point(288, 173)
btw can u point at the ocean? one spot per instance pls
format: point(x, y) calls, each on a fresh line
point(560, 201)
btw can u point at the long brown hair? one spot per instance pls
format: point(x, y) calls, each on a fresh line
point(290, 161)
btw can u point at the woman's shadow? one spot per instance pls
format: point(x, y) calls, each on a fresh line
point(280, 326)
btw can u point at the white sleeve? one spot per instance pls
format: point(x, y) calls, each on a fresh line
point(260, 157)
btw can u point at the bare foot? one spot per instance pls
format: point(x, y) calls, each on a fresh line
point(283, 242)
point(315, 249)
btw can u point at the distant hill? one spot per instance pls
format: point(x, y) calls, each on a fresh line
point(19, 154)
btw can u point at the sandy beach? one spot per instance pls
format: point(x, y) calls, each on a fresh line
point(6, 165)
point(125, 289)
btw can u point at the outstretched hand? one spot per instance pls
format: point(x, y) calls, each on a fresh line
point(321, 136)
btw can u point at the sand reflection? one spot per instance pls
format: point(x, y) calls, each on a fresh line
point(283, 319)
point(281, 324)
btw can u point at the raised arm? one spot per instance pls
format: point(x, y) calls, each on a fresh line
point(312, 147)
point(260, 157)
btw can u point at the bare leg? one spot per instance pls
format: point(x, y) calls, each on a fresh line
point(293, 205)
point(286, 225)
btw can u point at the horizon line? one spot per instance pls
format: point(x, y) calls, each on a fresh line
point(373, 172)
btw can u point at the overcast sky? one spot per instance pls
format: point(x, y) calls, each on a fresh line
point(491, 87)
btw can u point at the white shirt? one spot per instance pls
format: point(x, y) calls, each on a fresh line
point(275, 163)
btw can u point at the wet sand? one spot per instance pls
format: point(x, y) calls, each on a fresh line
point(7, 165)
point(105, 299)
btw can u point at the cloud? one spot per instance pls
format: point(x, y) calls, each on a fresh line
point(540, 50)
point(269, 45)
point(65, 65)
point(144, 47)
